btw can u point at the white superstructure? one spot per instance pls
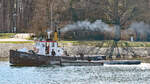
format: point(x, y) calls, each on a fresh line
point(46, 48)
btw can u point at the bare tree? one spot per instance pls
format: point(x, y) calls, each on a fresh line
point(118, 11)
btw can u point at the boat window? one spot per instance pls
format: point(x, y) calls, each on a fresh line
point(37, 44)
point(43, 45)
point(53, 44)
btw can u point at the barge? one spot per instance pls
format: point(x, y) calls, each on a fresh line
point(123, 62)
point(82, 63)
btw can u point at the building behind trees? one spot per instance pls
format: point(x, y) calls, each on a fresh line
point(34, 15)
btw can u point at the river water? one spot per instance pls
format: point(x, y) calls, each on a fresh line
point(107, 74)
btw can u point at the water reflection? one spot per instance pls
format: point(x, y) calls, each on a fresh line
point(114, 74)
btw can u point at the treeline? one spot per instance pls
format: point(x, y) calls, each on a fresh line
point(40, 15)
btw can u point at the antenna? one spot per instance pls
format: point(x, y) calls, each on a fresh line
point(52, 14)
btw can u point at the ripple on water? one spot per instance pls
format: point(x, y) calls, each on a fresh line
point(114, 74)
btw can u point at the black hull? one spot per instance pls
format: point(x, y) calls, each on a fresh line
point(123, 62)
point(27, 59)
point(82, 63)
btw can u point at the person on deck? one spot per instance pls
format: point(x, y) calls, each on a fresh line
point(53, 52)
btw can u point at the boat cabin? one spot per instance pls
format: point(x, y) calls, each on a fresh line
point(47, 47)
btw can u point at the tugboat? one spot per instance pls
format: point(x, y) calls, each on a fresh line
point(47, 53)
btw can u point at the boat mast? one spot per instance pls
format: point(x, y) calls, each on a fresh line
point(50, 29)
point(52, 15)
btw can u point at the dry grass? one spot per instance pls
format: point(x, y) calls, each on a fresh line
point(6, 35)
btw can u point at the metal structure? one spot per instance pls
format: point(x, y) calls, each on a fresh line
point(113, 48)
point(116, 48)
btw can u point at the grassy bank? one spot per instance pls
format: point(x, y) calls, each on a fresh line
point(107, 43)
point(92, 43)
point(16, 42)
point(7, 35)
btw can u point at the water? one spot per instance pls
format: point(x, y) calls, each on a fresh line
point(107, 74)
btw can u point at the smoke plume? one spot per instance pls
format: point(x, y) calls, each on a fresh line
point(98, 25)
point(140, 27)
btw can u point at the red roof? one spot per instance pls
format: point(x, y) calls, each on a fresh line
point(48, 41)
